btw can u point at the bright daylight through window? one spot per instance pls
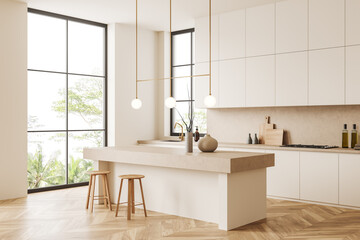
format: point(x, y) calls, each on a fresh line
point(183, 49)
point(66, 97)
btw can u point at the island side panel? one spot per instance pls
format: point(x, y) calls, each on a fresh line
point(185, 193)
point(242, 198)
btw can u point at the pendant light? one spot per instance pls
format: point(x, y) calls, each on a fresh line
point(170, 102)
point(210, 100)
point(136, 103)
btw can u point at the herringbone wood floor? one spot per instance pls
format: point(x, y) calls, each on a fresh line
point(61, 215)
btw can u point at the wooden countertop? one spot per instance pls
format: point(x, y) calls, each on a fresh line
point(175, 157)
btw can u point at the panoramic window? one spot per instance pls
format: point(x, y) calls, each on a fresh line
point(183, 88)
point(66, 98)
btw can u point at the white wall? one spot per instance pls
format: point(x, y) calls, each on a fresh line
point(13, 99)
point(126, 125)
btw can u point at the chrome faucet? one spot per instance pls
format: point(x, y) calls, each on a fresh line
point(182, 131)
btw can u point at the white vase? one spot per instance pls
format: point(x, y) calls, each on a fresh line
point(208, 144)
point(189, 142)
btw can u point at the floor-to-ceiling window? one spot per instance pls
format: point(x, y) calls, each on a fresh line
point(183, 88)
point(66, 98)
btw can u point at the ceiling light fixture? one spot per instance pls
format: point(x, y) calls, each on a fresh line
point(136, 103)
point(170, 102)
point(210, 100)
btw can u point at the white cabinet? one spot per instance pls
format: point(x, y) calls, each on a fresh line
point(326, 23)
point(260, 81)
point(352, 75)
point(202, 39)
point(292, 79)
point(326, 77)
point(260, 30)
point(352, 22)
point(232, 35)
point(283, 178)
point(349, 179)
point(291, 26)
point(201, 85)
point(319, 177)
point(232, 83)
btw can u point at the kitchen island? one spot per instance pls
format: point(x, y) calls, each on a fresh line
point(224, 187)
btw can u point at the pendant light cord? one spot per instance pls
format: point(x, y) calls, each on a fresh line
point(170, 52)
point(136, 49)
point(209, 47)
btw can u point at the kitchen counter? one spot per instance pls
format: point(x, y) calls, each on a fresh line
point(254, 146)
point(224, 187)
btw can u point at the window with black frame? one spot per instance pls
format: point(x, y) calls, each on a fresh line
point(183, 88)
point(66, 98)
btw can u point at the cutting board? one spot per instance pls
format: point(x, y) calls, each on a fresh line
point(263, 127)
point(274, 136)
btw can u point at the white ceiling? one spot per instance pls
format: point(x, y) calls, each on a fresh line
point(153, 14)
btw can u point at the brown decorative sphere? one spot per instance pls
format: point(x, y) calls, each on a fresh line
point(208, 144)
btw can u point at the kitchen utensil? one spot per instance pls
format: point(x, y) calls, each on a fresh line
point(263, 127)
point(274, 136)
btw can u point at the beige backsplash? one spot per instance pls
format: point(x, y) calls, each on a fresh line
point(305, 125)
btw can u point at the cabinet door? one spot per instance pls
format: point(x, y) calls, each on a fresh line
point(232, 35)
point(291, 26)
point(201, 84)
point(352, 75)
point(260, 81)
point(292, 79)
point(260, 30)
point(352, 22)
point(232, 83)
point(326, 77)
point(202, 39)
point(326, 23)
point(283, 178)
point(349, 179)
point(319, 177)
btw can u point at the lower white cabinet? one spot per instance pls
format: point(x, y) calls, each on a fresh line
point(349, 179)
point(319, 179)
point(283, 178)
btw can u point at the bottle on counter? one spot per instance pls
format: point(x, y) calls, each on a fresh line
point(354, 136)
point(249, 139)
point(345, 137)
point(256, 140)
point(197, 134)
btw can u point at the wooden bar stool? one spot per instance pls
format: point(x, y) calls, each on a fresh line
point(131, 194)
point(91, 192)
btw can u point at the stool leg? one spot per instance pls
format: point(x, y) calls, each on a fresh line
point(118, 201)
point(92, 194)
point(104, 191)
point(142, 195)
point(88, 195)
point(129, 200)
point(133, 196)
point(108, 192)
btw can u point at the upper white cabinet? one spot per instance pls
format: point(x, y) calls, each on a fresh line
point(326, 77)
point(232, 83)
point(260, 30)
point(292, 79)
point(283, 178)
point(326, 23)
point(201, 85)
point(349, 168)
point(260, 81)
point(202, 39)
point(232, 35)
point(352, 22)
point(291, 26)
point(319, 177)
point(352, 75)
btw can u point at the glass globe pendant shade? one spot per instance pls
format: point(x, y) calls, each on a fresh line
point(210, 101)
point(170, 102)
point(136, 103)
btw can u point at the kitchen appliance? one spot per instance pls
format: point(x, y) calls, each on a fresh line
point(310, 146)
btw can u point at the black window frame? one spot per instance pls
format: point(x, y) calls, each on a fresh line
point(67, 73)
point(192, 64)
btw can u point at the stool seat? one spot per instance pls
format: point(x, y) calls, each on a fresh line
point(98, 172)
point(131, 176)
